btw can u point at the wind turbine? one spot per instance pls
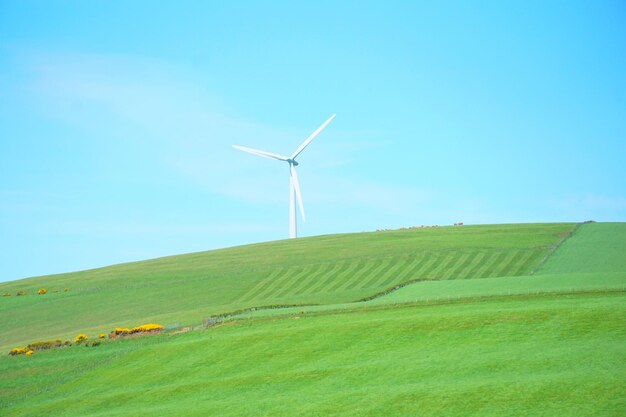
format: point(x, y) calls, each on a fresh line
point(294, 185)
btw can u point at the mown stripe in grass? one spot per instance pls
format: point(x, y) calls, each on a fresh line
point(474, 259)
point(261, 286)
point(477, 259)
point(342, 277)
point(392, 273)
point(459, 264)
point(504, 266)
point(493, 260)
point(522, 267)
point(480, 262)
point(421, 263)
point(371, 272)
point(294, 281)
point(376, 274)
point(325, 281)
point(319, 272)
point(360, 266)
point(345, 265)
point(313, 279)
point(467, 265)
point(373, 265)
point(442, 266)
point(533, 262)
point(278, 283)
point(358, 275)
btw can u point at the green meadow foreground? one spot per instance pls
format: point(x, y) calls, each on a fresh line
point(547, 355)
point(482, 320)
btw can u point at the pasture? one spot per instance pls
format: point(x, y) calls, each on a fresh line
point(516, 320)
point(527, 356)
point(330, 269)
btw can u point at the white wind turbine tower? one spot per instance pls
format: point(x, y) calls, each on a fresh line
point(294, 185)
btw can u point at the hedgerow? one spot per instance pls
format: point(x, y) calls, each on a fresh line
point(37, 346)
point(82, 339)
point(49, 344)
point(40, 291)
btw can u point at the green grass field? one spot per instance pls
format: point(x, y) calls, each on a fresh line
point(530, 356)
point(516, 320)
point(320, 270)
point(474, 290)
point(601, 247)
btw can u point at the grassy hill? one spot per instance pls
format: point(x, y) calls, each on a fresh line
point(494, 320)
point(596, 249)
point(319, 270)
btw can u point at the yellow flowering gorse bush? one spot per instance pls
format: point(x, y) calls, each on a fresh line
point(121, 331)
point(18, 351)
point(147, 328)
point(144, 328)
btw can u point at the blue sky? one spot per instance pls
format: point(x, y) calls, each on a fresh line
point(117, 120)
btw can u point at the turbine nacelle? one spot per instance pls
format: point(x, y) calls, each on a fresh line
point(294, 184)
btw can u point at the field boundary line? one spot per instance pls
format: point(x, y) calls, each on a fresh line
point(555, 247)
point(438, 300)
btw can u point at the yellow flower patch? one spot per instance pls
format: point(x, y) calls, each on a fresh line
point(18, 351)
point(147, 328)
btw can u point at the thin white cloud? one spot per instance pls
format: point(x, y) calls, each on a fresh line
point(190, 132)
point(185, 127)
point(183, 123)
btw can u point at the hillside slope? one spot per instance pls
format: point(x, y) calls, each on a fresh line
point(593, 259)
point(531, 356)
point(527, 345)
point(319, 270)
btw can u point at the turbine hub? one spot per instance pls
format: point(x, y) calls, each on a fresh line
point(292, 162)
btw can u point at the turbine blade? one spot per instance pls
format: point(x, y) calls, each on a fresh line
point(310, 138)
point(261, 153)
point(296, 187)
